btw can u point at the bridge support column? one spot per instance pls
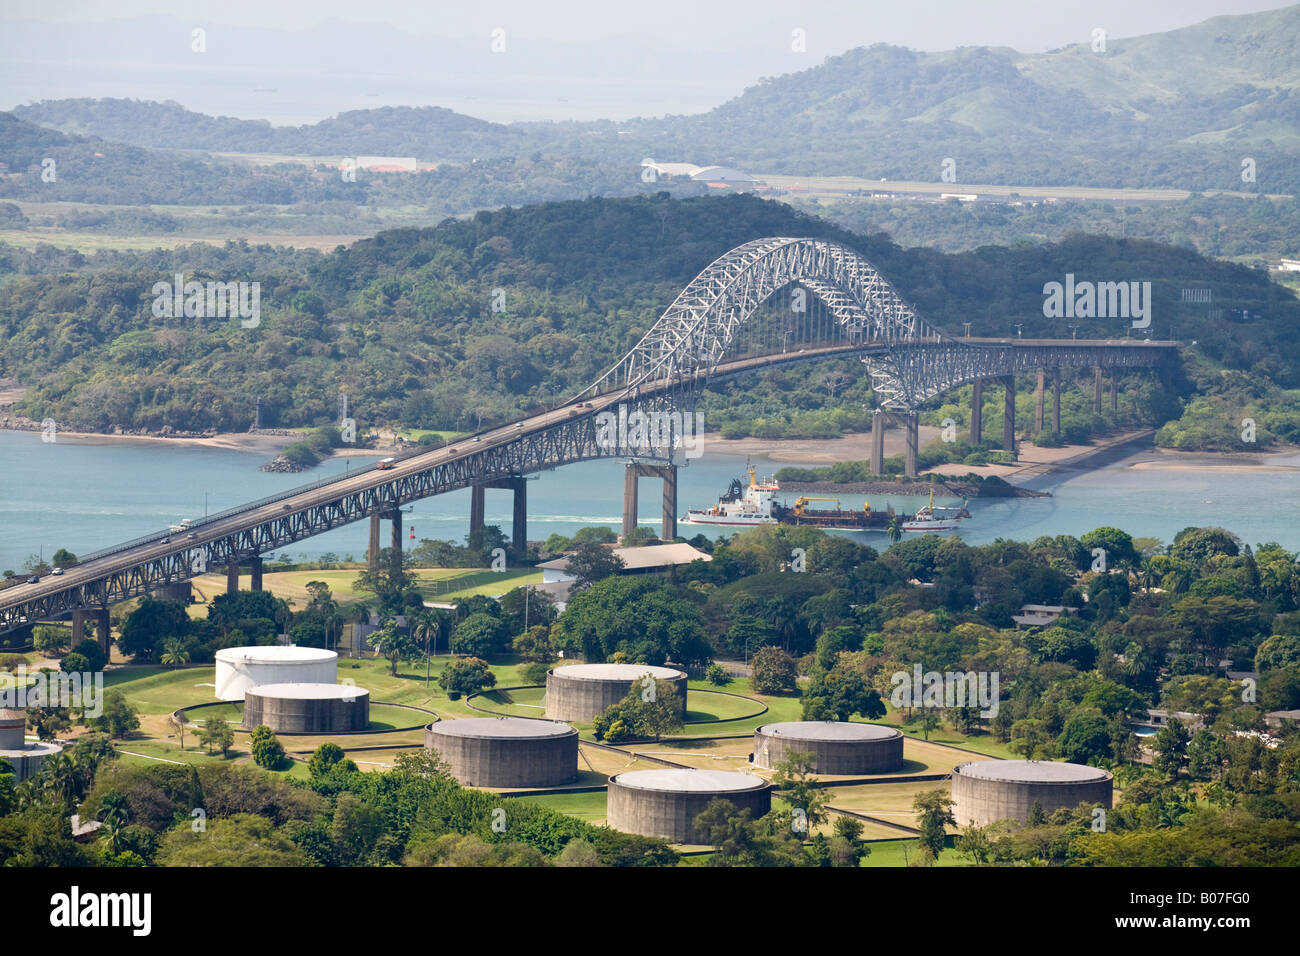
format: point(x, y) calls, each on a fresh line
point(519, 524)
point(877, 441)
point(1038, 404)
point(629, 499)
point(976, 412)
point(1096, 390)
point(1009, 414)
point(232, 576)
point(256, 571)
point(668, 525)
point(1114, 390)
point(98, 619)
point(912, 426)
point(1056, 401)
point(477, 504)
point(372, 555)
point(633, 473)
point(395, 554)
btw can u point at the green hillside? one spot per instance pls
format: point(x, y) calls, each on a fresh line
point(405, 321)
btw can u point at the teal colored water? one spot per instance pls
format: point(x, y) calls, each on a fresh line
point(86, 495)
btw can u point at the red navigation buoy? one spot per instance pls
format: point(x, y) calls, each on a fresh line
point(412, 532)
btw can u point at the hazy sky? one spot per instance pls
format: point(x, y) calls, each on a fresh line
point(1027, 25)
point(293, 62)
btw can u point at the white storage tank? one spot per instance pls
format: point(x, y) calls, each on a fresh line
point(239, 668)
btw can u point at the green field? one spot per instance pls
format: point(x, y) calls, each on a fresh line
point(381, 717)
point(584, 806)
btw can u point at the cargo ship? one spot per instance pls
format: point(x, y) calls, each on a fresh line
point(756, 504)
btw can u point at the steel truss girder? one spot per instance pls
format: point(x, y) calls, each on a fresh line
point(911, 374)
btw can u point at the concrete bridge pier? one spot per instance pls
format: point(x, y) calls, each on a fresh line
point(519, 524)
point(1038, 403)
point(372, 553)
point(232, 576)
point(255, 568)
point(631, 476)
point(98, 617)
point(977, 411)
point(911, 424)
point(877, 440)
point(1009, 413)
point(1096, 390)
point(1056, 401)
point(1114, 390)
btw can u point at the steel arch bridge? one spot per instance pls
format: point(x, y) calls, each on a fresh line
point(909, 361)
point(686, 349)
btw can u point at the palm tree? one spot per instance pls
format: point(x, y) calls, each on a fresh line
point(894, 529)
point(174, 653)
point(114, 812)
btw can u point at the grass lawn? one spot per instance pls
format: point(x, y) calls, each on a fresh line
point(898, 852)
point(585, 806)
point(434, 584)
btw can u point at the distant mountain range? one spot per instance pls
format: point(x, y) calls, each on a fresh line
point(1180, 109)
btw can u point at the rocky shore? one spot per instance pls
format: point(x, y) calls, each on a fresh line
point(951, 487)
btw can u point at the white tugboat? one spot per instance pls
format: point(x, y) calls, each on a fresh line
point(741, 506)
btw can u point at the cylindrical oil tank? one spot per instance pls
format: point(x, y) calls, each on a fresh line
point(582, 692)
point(665, 803)
point(989, 790)
point(506, 752)
point(837, 747)
point(13, 724)
point(307, 708)
point(239, 668)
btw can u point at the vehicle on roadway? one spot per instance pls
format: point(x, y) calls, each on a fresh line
point(386, 463)
point(34, 579)
point(57, 571)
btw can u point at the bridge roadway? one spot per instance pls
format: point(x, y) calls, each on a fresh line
point(165, 558)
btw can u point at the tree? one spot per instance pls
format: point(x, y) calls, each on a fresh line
point(479, 635)
point(114, 813)
point(934, 814)
point(535, 644)
point(1170, 747)
point(149, 625)
point(326, 758)
point(794, 783)
point(1028, 737)
point(178, 724)
point(466, 675)
point(396, 644)
point(118, 718)
point(215, 732)
point(242, 840)
point(1085, 738)
point(774, 671)
point(51, 641)
point(840, 693)
point(267, 749)
point(742, 841)
point(591, 562)
point(894, 529)
point(650, 710)
point(174, 653)
point(974, 842)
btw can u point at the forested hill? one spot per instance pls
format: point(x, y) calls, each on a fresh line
point(405, 321)
point(1178, 109)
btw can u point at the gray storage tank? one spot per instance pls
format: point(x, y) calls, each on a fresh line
point(24, 756)
point(990, 790)
point(307, 708)
point(506, 751)
point(665, 803)
point(582, 692)
point(838, 747)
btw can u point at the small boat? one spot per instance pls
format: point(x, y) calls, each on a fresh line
point(930, 518)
